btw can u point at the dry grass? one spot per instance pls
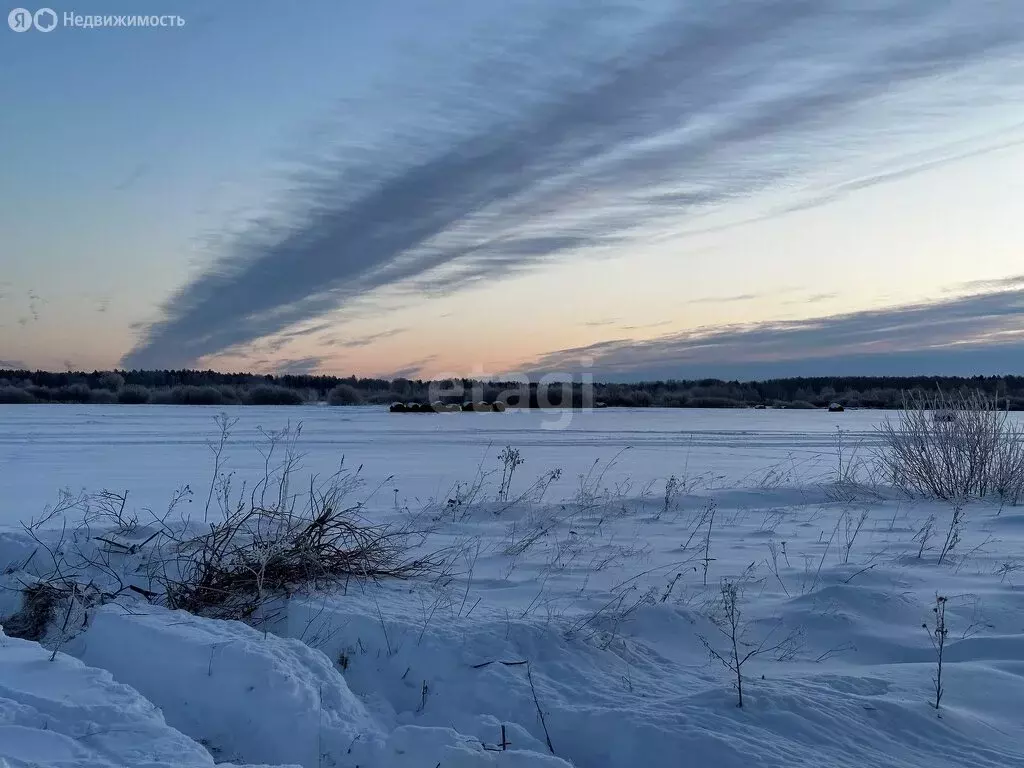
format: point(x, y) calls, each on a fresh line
point(39, 605)
point(251, 548)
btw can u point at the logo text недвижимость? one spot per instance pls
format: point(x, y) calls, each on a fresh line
point(47, 19)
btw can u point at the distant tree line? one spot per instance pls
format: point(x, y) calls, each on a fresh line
point(189, 387)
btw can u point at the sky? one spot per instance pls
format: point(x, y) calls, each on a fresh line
point(628, 188)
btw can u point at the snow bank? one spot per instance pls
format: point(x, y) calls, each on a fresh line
point(248, 696)
point(63, 713)
point(653, 700)
point(413, 746)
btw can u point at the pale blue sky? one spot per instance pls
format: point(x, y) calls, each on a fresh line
point(475, 187)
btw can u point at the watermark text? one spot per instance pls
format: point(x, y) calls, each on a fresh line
point(47, 19)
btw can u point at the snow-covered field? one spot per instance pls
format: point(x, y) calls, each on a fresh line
point(571, 623)
point(151, 450)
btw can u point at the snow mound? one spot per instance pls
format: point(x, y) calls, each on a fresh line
point(62, 713)
point(253, 696)
point(408, 746)
point(246, 695)
point(654, 698)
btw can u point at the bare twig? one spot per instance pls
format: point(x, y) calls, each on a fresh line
point(937, 634)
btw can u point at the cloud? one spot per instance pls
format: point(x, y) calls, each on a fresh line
point(132, 178)
point(299, 366)
point(281, 340)
point(35, 303)
point(15, 365)
point(410, 370)
point(968, 335)
point(1015, 281)
point(814, 298)
point(568, 141)
point(727, 299)
point(645, 326)
point(365, 341)
point(873, 180)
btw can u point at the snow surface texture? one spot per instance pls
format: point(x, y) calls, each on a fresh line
point(60, 712)
point(570, 628)
point(150, 450)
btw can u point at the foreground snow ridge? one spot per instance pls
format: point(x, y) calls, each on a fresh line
point(565, 634)
point(62, 712)
point(59, 712)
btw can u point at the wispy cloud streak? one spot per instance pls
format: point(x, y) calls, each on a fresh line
point(572, 139)
point(921, 338)
point(365, 341)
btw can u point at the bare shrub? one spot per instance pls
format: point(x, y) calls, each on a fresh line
point(111, 380)
point(77, 392)
point(727, 616)
point(189, 395)
point(71, 569)
point(271, 394)
point(312, 541)
point(133, 394)
point(103, 397)
point(344, 394)
point(267, 544)
point(954, 447)
point(224, 425)
point(110, 509)
point(15, 396)
point(39, 603)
